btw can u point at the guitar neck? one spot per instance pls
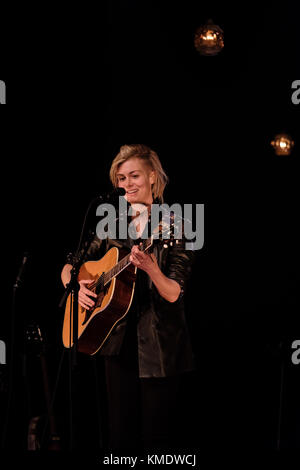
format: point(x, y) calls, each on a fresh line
point(113, 272)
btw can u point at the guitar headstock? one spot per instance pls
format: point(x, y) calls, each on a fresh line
point(166, 233)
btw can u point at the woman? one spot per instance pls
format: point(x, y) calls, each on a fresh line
point(149, 351)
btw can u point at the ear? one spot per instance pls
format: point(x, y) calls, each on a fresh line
point(152, 177)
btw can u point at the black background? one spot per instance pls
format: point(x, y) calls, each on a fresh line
point(83, 82)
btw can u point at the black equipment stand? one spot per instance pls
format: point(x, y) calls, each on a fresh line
point(72, 289)
point(16, 286)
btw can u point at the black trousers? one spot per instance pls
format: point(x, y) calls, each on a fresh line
point(143, 413)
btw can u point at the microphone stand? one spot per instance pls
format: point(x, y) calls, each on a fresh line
point(73, 286)
point(16, 286)
point(72, 289)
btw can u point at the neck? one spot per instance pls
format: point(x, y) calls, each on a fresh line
point(139, 208)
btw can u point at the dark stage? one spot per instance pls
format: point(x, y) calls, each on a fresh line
point(80, 84)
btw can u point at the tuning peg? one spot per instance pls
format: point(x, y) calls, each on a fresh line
point(165, 245)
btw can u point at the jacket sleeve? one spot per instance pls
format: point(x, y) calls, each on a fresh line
point(94, 251)
point(179, 264)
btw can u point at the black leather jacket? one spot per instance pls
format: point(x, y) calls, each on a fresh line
point(163, 342)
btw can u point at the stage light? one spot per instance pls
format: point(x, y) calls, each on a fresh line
point(209, 39)
point(282, 144)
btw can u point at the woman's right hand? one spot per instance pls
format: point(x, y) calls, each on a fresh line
point(85, 294)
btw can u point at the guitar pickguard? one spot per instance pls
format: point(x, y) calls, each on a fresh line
point(98, 303)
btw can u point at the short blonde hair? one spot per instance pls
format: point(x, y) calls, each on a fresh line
point(147, 155)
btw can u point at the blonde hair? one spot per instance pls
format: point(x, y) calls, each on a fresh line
point(147, 155)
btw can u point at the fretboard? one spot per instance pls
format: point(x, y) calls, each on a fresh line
point(113, 272)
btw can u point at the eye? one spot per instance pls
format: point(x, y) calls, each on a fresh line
point(121, 178)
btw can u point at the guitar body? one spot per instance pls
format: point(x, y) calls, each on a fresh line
point(112, 303)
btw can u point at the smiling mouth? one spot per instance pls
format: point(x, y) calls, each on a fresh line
point(132, 192)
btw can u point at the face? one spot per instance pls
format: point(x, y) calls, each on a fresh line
point(136, 178)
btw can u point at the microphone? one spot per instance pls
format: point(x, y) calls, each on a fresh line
point(21, 270)
point(103, 198)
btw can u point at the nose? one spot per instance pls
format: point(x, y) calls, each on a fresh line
point(129, 182)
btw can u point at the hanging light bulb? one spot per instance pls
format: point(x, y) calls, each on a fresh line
point(209, 39)
point(282, 144)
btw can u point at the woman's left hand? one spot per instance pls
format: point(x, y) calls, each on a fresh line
point(143, 260)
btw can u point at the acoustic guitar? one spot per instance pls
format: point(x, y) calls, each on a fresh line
point(113, 280)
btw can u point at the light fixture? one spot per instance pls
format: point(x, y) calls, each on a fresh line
point(282, 144)
point(209, 39)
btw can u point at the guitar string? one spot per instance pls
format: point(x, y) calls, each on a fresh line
point(113, 272)
point(109, 275)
